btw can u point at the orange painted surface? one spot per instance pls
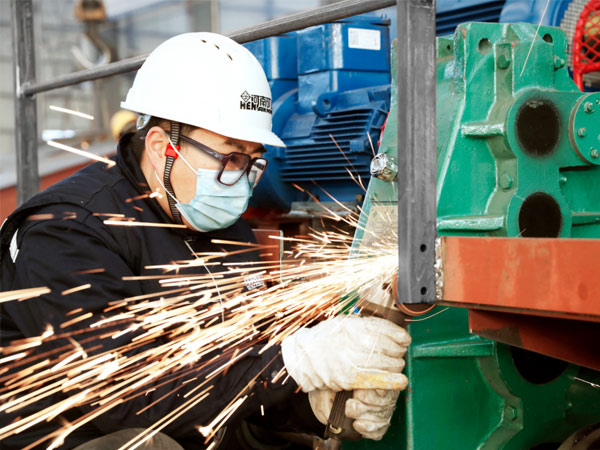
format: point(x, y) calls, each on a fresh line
point(553, 277)
point(8, 196)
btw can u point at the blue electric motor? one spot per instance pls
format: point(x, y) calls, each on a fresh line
point(331, 91)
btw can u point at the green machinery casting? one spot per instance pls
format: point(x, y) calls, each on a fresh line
point(518, 154)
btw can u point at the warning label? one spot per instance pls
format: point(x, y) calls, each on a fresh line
point(364, 39)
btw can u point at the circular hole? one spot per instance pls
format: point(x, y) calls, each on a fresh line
point(540, 216)
point(326, 102)
point(538, 127)
point(423, 248)
point(484, 46)
point(423, 290)
point(536, 368)
point(548, 38)
point(448, 47)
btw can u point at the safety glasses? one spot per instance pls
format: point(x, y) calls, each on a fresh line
point(253, 167)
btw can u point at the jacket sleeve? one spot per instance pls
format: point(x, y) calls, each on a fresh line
point(64, 254)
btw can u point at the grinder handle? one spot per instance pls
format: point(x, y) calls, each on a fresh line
point(339, 426)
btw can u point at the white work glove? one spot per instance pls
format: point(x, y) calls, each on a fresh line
point(371, 409)
point(347, 353)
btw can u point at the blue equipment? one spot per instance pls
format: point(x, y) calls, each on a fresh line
point(332, 91)
point(450, 13)
point(278, 56)
point(532, 11)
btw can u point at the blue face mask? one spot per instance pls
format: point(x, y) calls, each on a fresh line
point(215, 205)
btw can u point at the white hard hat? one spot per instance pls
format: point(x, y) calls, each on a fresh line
point(209, 81)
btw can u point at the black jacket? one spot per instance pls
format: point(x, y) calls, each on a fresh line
point(63, 243)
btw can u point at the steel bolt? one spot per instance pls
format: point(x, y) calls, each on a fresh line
point(594, 153)
point(384, 167)
point(562, 180)
point(559, 63)
point(589, 107)
point(582, 132)
point(506, 181)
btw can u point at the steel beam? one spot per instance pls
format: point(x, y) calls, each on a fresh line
point(530, 276)
point(275, 27)
point(416, 80)
point(26, 132)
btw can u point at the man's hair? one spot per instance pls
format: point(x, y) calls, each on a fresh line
point(138, 141)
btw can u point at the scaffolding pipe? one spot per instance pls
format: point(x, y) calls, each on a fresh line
point(293, 22)
point(26, 136)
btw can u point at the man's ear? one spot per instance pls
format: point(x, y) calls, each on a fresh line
point(156, 144)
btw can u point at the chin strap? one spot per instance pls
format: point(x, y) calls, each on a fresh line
point(171, 154)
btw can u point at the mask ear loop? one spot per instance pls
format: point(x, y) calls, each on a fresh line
point(171, 195)
point(164, 187)
point(178, 154)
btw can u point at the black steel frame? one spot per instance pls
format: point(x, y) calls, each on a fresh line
point(416, 118)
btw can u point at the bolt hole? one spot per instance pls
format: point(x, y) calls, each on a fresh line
point(536, 368)
point(423, 248)
point(548, 38)
point(423, 290)
point(484, 46)
point(326, 102)
point(448, 47)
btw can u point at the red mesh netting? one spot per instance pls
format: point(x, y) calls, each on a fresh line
point(586, 42)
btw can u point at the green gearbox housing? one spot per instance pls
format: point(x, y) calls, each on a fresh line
point(518, 154)
point(518, 143)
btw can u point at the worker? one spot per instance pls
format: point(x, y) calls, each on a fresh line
point(205, 112)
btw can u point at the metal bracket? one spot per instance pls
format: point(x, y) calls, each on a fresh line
point(416, 180)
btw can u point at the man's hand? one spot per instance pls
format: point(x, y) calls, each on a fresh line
point(347, 353)
point(371, 409)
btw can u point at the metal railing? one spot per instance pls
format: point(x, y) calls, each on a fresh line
point(416, 117)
